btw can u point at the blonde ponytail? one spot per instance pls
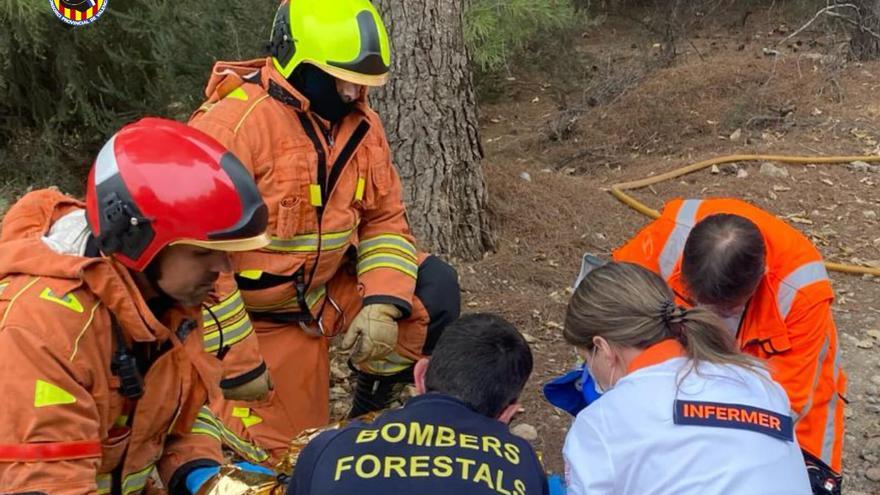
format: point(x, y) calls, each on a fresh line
point(631, 306)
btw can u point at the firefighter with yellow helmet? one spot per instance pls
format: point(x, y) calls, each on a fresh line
point(341, 260)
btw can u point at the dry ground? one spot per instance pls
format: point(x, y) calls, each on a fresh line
point(553, 146)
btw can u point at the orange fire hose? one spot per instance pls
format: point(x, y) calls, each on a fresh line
point(618, 189)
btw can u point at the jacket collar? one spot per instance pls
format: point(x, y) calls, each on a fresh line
point(23, 250)
point(658, 353)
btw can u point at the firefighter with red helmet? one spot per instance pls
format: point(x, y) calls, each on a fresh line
point(102, 366)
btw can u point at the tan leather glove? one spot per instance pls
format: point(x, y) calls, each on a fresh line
point(373, 333)
point(256, 389)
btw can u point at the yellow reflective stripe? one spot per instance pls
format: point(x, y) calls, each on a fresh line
point(69, 301)
point(312, 298)
point(204, 428)
point(83, 331)
point(247, 416)
point(49, 394)
point(387, 260)
point(315, 195)
point(359, 192)
point(12, 301)
point(104, 482)
point(238, 94)
point(122, 420)
point(251, 274)
point(232, 334)
point(251, 420)
point(136, 482)
point(306, 243)
point(387, 241)
point(315, 295)
point(208, 424)
point(3, 286)
point(224, 309)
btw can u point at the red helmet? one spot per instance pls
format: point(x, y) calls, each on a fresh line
point(158, 182)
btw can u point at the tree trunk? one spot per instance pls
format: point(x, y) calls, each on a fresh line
point(865, 42)
point(430, 115)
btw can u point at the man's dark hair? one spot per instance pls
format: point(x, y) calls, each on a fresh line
point(723, 259)
point(482, 360)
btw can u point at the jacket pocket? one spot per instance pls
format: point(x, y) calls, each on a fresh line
point(375, 169)
point(380, 169)
point(288, 220)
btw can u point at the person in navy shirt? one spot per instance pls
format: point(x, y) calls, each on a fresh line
point(452, 438)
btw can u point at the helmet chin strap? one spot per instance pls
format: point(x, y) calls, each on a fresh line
point(320, 88)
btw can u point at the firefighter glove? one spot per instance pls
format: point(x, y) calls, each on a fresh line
point(373, 333)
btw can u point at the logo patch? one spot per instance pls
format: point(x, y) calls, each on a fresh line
point(736, 416)
point(78, 12)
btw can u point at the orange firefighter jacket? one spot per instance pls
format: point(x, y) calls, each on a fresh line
point(787, 322)
point(66, 426)
point(329, 191)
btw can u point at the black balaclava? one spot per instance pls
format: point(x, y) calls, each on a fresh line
point(320, 88)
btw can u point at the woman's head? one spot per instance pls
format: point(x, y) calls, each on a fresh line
point(620, 309)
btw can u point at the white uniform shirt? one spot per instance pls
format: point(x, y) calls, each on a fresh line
point(628, 443)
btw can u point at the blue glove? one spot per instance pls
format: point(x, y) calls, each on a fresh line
point(573, 391)
point(199, 476)
point(555, 485)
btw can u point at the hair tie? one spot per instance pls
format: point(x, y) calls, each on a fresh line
point(672, 316)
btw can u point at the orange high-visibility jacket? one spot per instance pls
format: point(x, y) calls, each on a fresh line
point(66, 427)
point(327, 191)
point(788, 321)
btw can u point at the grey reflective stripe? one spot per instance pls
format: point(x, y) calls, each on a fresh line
point(403, 264)
point(106, 166)
point(395, 241)
point(231, 305)
point(206, 428)
point(823, 353)
point(231, 335)
point(684, 222)
point(309, 242)
point(209, 424)
point(104, 482)
point(804, 275)
point(135, 482)
point(314, 295)
point(831, 420)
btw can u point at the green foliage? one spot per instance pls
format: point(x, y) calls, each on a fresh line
point(65, 89)
point(497, 31)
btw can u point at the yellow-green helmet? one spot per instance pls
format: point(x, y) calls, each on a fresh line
point(345, 38)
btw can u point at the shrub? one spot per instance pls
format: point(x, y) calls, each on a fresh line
point(65, 89)
point(497, 31)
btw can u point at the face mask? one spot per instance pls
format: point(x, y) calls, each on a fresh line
point(599, 388)
point(320, 88)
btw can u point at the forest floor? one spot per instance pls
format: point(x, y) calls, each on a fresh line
point(556, 140)
point(609, 108)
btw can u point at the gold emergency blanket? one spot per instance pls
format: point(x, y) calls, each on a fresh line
point(234, 481)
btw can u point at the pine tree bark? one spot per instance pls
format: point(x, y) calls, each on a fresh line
point(429, 111)
point(865, 41)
